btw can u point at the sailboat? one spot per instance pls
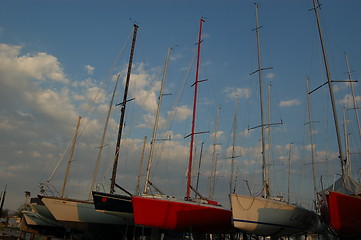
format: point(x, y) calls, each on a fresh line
point(112, 203)
point(74, 213)
point(340, 204)
point(267, 216)
point(195, 215)
point(117, 204)
point(81, 214)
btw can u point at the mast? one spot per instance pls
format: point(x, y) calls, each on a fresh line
point(2, 200)
point(264, 177)
point(199, 166)
point(152, 143)
point(269, 137)
point(311, 140)
point(214, 159)
point(141, 166)
point(330, 87)
point(103, 138)
point(189, 173)
point(234, 142)
point(70, 157)
point(353, 95)
point(347, 143)
point(123, 104)
point(289, 172)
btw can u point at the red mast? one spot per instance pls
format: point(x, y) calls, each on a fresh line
point(189, 174)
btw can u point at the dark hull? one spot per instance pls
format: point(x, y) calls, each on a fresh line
point(112, 202)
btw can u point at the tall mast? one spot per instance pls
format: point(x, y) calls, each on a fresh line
point(70, 157)
point(152, 143)
point(234, 142)
point(353, 95)
point(214, 159)
point(264, 177)
point(311, 140)
point(269, 137)
point(189, 173)
point(123, 104)
point(103, 138)
point(329, 81)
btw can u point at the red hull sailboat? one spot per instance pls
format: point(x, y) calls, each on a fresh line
point(197, 215)
point(340, 205)
point(178, 215)
point(341, 211)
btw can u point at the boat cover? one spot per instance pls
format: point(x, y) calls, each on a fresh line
point(346, 185)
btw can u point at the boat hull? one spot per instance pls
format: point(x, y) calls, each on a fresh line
point(177, 215)
point(267, 217)
point(39, 207)
point(342, 213)
point(81, 214)
point(35, 219)
point(114, 204)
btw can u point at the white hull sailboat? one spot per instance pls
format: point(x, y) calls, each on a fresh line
point(79, 214)
point(268, 217)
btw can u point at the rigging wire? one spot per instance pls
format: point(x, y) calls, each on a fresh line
point(103, 83)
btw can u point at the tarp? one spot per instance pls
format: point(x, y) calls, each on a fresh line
point(346, 185)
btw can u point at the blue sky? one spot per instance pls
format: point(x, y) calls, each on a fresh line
point(55, 57)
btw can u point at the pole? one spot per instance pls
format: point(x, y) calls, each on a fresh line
point(121, 123)
point(214, 161)
point(103, 138)
point(70, 157)
point(330, 87)
point(312, 145)
point(353, 96)
point(141, 165)
point(289, 172)
point(234, 142)
point(264, 177)
point(152, 143)
point(189, 173)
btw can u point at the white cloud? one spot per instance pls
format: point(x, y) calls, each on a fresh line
point(51, 103)
point(240, 92)
point(170, 135)
point(245, 133)
point(96, 95)
point(181, 112)
point(270, 76)
point(39, 66)
point(175, 57)
point(89, 69)
point(219, 134)
point(308, 147)
point(347, 101)
point(290, 103)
